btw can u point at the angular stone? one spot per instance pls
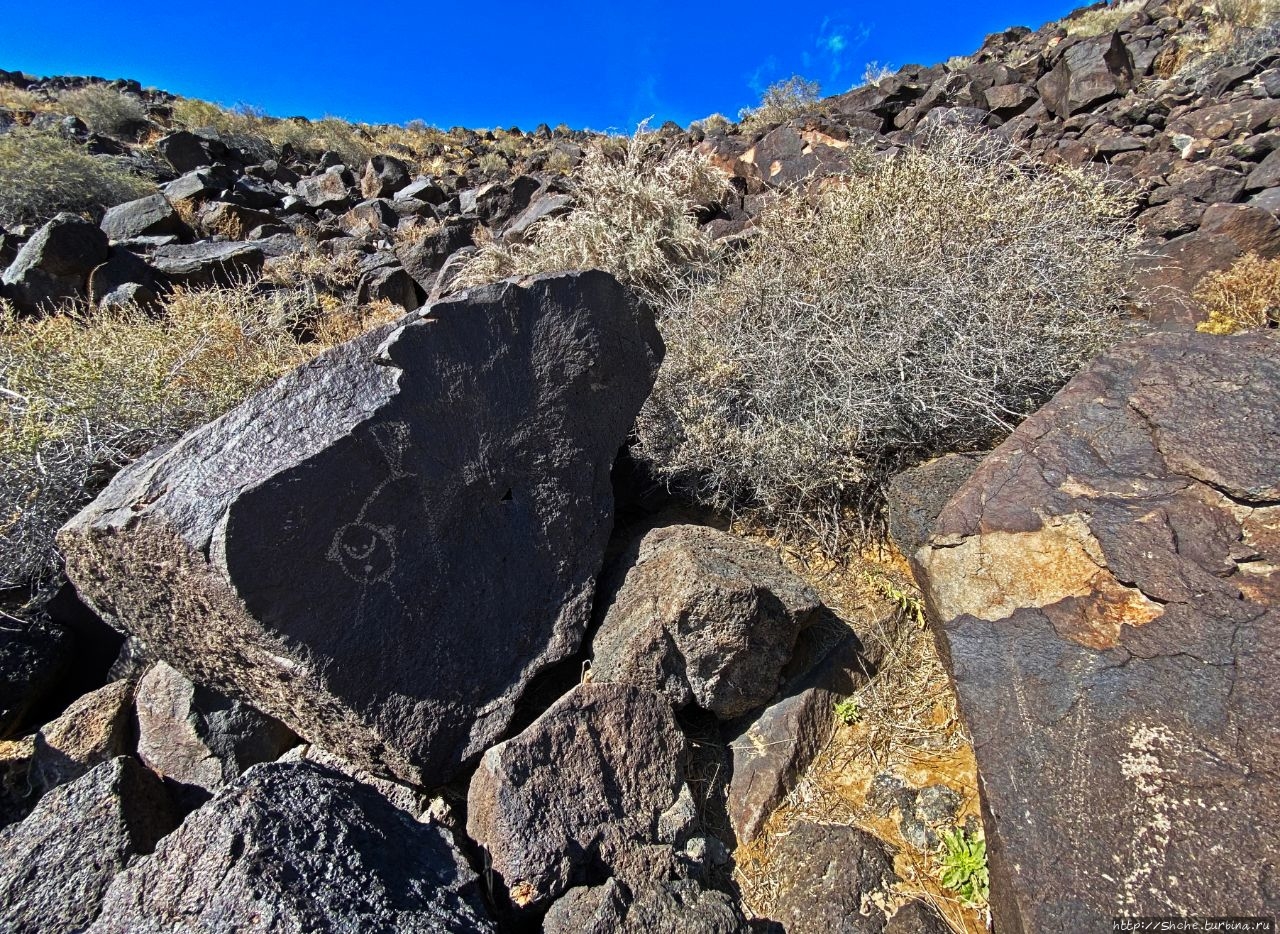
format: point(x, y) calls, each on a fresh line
point(1107, 588)
point(53, 266)
point(369, 217)
point(92, 730)
point(916, 496)
point(1167, 276)
point(383, 548)
point(772, 751)
point(207, 263)
point(1253, 229)
point(295, 847)
point(389, 283)
point(194, 736)
point(613, 908)
point(1091, 71)
point(123, 267)
point(383, 177)
point(1266, 175)
point(704, 617)
point(56, 864)
point(424, 257)
point(579, 795)
point(146, 217)
point(831, 879)
point(326, 190)
point(544, 207)
point(186, 151)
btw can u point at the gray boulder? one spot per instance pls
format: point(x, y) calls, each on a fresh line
point(383, 177)
point(382, 549)
point(424, 257)
point(581, 794)
point(208, 263)
point(54, 265)
point(916, 496)
point(296, 848)
point(613, 908)
point(326, 190)
point(706, 618)
point(151, 216)
point(56, 864)
point(1089, 72)
point(198, 737)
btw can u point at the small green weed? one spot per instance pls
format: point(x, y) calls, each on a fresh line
point(849, 711)
point(964, 866)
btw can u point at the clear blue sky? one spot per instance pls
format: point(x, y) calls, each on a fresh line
point(595, 64)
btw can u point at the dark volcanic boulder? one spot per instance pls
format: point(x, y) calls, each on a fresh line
point(146, 217)
point(56, 865)
point(326, 190)
point(296, 848)
point(1108, 589)
point(916, 496)
point(383, 177)
point(207, 263)
point(424, 256)
point(1089, 72)
point(832, 879)
point(198, 737)
point(54, 265)
point(92, 730)
point(613, 908)
point(580, 795)
point(383, 548)
point(705, 617)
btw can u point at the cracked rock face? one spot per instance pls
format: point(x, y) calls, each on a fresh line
point(383, 548)
point(1108, 587)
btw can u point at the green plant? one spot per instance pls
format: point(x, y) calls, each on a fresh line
point(848, 711)
point(782, 101)
point(925, 306)
point(907, 600)
point(632, 217)
point(963, 866)
point(105, 110)
point(42, 173)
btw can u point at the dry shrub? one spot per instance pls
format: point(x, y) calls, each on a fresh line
point(714, 123)
point(1243, 298)
point(926, 306)
point(782, 101)
point(84, 392)
point(1238, 33)
point(21, 99)
point(1102, 20)
point(106, 110)
point(632, 217)
point(41, 173)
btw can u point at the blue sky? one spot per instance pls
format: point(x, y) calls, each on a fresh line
point(587, 64)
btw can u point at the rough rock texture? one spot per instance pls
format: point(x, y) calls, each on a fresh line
point(146, 217)
point(917, 495)
point(1107, 585)
point(384, 547)
point(772, 750)
point(1089, 72)
point(56, 865)
point(580, 795)
point(612, 908)
point(208, 263)
point(383, 177)
point(832, 879)
point(92, 730)
point(195, 736)
point(54, 264)
point(34, 657)
point(704, 617)
point(293, 849)
point(408, 798)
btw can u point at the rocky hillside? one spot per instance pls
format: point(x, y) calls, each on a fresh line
point(860, 517)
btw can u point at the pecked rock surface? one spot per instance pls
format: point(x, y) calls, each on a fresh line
point(704, 617)
point(383, 548)
point(1108, 588)
point(588, 791)
point(295, 848)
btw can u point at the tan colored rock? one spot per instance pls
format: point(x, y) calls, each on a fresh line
point(92, 730)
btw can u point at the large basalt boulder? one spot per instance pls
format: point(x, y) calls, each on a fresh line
point(383, 177)
point(198, 737)
point(613, 908)
point(326, 190)
point(916, 496)
point(56, 864)
point(383, 548)
point(208, 263)
point(423, 257)
point(1089, 72)
point(151, 216)
point(54, 265)
point(580, 795)
point(706, 618)
point(290, 848)
point(1107, 586)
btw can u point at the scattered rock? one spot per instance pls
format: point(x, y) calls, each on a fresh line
point(1089, 72)
point(56, 864)
point(1108, 589)
point(704, 617)
point(296, 847)
point(288, 553)
point(92, 730)
point(579, 795)
point(383, 177)
point(146, 217)
point(916, 496)
point(53, 266)
point(612, 908)
point(208, 263)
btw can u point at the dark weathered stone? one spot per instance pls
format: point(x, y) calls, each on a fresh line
point(35, 655)
point(389, 283)
point(56, 864)
point(831, 879)
point(1091, 71)
point(772, 751)
point(292, 848)
point(544, 207)
point(122, 268)
point(326, 190)
point(704, 617)
point(1107, 586)
point(92, 730)
point(1253, 229)
point(207, 263)
point(383, 548)
point(195, 736)
point(186, 151)
point(369, 217)
point(145, 217)
point(580, 795)
point(424, 257)
point(916, 496)
point(53, 266)
point(383, 177)
point(1167, 276)
point(613, 908)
